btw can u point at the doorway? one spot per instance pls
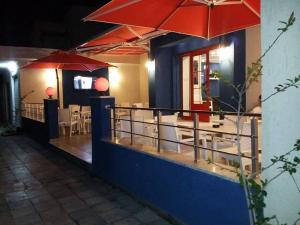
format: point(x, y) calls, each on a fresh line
point(201, 71)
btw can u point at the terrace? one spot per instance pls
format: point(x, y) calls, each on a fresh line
point(166, 129)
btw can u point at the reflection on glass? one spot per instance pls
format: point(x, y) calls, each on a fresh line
point(199, 78)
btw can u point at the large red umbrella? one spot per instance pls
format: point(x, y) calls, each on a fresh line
point(202, 18)
point(128, 40)
point(66, 61)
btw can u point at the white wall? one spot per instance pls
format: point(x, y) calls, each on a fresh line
point(129, 80)
point(144, 87)
point(281, 120)
point(253, 46)
point(124, 82)
point(38, 80)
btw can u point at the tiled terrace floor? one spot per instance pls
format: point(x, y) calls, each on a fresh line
point(37, 186)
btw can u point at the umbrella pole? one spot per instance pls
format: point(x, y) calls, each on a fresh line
point(57, 87)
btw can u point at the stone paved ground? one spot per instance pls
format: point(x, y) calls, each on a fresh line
point(38, 186)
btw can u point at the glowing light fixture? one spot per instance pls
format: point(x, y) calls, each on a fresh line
point(12, 67)
point(114, 77)
point(50, 92)
point(150, 65)
point(50, 78)
point(101, 84)
point(225, 53)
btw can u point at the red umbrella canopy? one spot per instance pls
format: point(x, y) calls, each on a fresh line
point(119, 35)
point(66, 61)
point(123, 40)
point(202, 18)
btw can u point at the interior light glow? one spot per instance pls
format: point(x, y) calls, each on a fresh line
point(225, 53)
point(114, 77)
point(150, 65)
point(50, 78)
point(12, 67)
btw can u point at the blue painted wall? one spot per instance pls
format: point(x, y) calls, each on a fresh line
point(81, 97)
point(188, 195)
point(165, 84)
point(191, 196)
point(35, 129)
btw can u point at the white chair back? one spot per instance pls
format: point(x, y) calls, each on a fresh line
point(169, 133)
point(125, 126)
point(85, 108)
point(138, 128)
point(63, 115)
point(146, 114)
point(137, 105)
point(169, 118)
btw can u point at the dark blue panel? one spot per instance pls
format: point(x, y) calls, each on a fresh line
point(163, 78)
point(166, 50)
point(101, 121)
point(35, 129)
point(190, 196)
point(80, 97)
point(51, 118)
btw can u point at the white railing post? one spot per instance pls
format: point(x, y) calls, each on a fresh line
point(196, 137)
point(254, 146)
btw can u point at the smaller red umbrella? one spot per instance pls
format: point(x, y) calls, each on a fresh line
point(66, 61)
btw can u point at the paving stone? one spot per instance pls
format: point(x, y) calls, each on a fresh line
point(95, 200)
point(146, 216)
point(115, 215)
point(72, 203)
point(16, 196)
point(159, 222)
point(6, 219)
point(45, 205)
point(28, 219)
point(106, 206)
point(54, 214)
point(128, 221)
point(22, 211)
point(38, 186)
point(19, 204)
point(133, 207)
point(87, 216)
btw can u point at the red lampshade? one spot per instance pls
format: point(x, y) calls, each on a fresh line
point(101, 84)
point(50, 91)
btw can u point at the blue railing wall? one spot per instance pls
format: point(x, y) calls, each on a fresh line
point(189, 195)
point(35, 129)
point(43, 131)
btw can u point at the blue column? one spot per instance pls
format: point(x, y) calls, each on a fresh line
point(51, 118)
point(101, 121)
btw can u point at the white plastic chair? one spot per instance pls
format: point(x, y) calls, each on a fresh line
point(63, 119)
point(167, 131)
point(245, 143)
point(74, 122)
point(85, 117)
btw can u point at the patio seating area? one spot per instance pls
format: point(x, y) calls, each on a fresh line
point(75, 119)
point(183, 141)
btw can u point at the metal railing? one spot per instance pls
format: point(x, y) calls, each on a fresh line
point(34, 111)
point(212, 134)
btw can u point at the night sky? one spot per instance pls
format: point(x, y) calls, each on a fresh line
point(48, 24)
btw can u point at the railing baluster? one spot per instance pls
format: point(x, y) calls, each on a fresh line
point(114, 123)
point(196, 137)
point(131, 127)
point(254, 146)
point(158, 131)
